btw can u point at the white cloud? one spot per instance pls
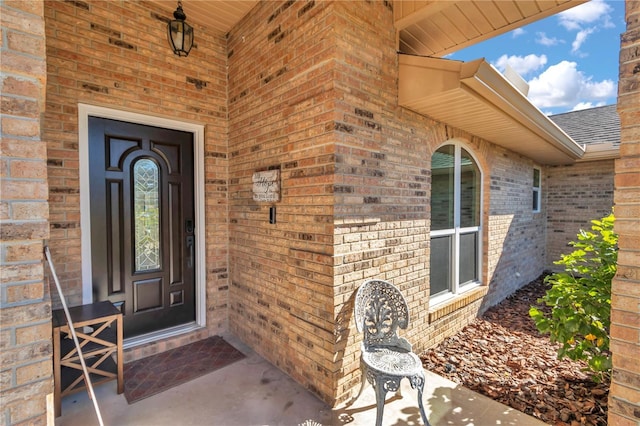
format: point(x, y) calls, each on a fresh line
point(518, 32)
point(563, 85)
point(586, 105)
point(523, 65)
point(581, 37)
point(541, 38)
point(586, 14)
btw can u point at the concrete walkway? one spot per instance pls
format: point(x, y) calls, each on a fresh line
point(254, 392)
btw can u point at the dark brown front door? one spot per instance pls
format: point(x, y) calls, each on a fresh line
point(142, 223)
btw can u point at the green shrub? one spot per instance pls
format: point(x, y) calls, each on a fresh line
point(580, 298)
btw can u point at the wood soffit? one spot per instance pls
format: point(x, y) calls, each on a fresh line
point(440, 27)
point(430, 28)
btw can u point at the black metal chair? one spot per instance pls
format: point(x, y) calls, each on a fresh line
point(380, 309)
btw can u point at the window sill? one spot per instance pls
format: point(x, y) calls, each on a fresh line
point(456, 302)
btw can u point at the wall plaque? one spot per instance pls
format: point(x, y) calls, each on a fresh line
point(266, 186)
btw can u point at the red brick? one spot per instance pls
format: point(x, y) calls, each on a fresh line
point(24, 411)
point(615, 419)
point(627, 195)
point(34, 7)
point(20, 127)
point(12, 85)
point(624, 349)
point(19, 107)
point(627, 180)
point(26, 44)
point(29, 210)
point(33, 333)
point(629, 145)
point(23, 65)
point(18, 148)
point(629, 257)
point(16, 19)
point(21, 169)
point(20, 315)
point(26, 252)
point(4, 210)
point(23, 190)
point(24, 230)
point(21, 293)
point(624, 401)
point(31, 372)
point(622, 317)
point(624, 284)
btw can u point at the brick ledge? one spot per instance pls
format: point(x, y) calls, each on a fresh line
point(457, 302)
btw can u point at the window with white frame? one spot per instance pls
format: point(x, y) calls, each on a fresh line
point(456, 184)
point(536, 190)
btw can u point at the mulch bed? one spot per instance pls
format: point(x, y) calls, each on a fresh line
point(503, 356)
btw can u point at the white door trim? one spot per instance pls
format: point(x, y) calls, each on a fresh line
point(84, 111)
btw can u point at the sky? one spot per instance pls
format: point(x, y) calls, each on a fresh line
point(570, 60)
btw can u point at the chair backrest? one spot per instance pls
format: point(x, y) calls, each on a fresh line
point(380, 309)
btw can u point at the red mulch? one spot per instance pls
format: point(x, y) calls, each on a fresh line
point(503, 356)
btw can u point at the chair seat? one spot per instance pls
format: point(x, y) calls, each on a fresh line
point(392, 361)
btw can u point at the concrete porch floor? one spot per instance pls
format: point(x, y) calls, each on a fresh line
point(254, 392)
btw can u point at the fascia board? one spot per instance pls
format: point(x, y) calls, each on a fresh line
point(600, 151)
point(487, 83)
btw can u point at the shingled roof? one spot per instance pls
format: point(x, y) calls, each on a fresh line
point(591, 126)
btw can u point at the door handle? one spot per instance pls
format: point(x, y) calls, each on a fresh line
point(191, 240)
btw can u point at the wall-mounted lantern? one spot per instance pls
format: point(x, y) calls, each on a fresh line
point(180, 33)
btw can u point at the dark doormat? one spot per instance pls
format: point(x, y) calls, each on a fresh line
point(157, 373)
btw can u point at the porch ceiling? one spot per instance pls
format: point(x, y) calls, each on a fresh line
point(475, 97)
point(439, 27)
point(428, 28)
point(219, 15)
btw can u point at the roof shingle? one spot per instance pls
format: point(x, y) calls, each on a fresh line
point(591, 126)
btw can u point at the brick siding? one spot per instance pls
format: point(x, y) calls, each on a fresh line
point(355, 192)
point(25, 307)
point(576, 194)
point(624, 397)
point(515, 249)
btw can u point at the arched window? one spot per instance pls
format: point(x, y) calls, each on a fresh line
point(456, 183)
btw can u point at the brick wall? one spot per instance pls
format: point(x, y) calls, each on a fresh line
point(281, 117)
point(313, 93)
point(25, 307)
point(576, 194)
point(515, 248)
point(116, 55)
point(624, 396)
point(382, 180)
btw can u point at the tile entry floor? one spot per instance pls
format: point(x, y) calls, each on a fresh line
point(253, 392)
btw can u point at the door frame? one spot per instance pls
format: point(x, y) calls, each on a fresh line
point(84, 111)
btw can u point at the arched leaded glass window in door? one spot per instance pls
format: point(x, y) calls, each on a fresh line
point(456, 183)
point(146, 206)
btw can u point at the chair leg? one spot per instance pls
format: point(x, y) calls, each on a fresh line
point(417, 382)
point(421, 406)
point(363, 383)
point(381, 392)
